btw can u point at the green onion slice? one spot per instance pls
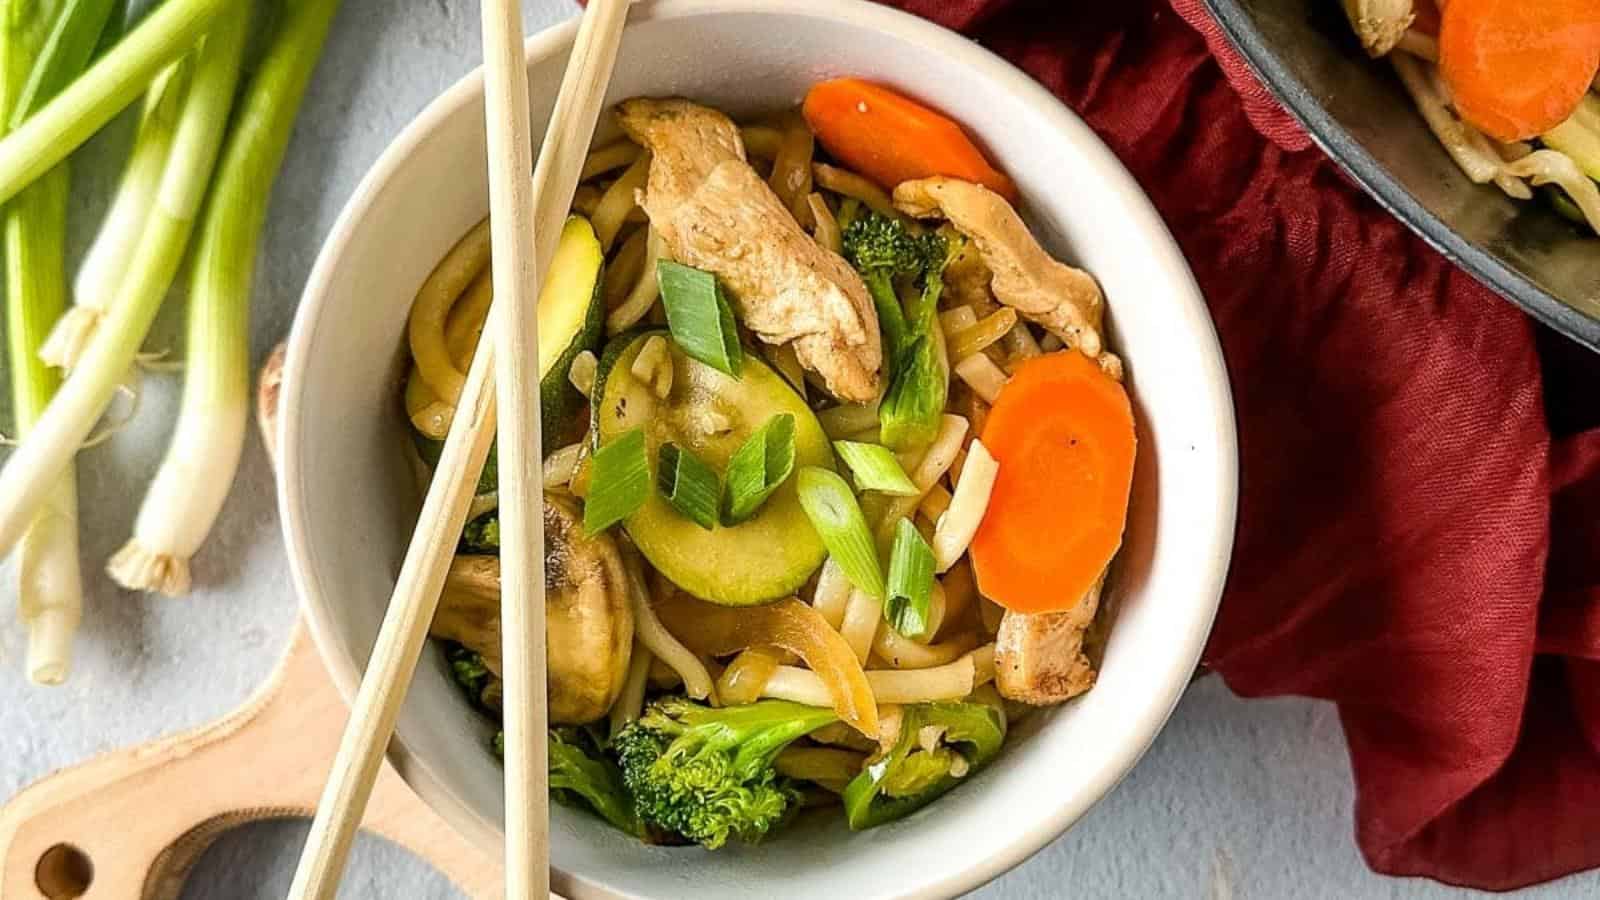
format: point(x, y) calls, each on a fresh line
point(691, 486)
point(699, 316)
point(762, 464)
point(875, 468)
point(837, 517)
point(619, 482)
point(910, 581)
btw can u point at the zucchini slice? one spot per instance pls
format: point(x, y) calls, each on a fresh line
point(764, 558)
point(572, 312)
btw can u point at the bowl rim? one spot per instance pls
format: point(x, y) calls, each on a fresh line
point(1238, 24)
point(316, 609)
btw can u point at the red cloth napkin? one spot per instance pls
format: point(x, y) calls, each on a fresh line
point(1413, 544)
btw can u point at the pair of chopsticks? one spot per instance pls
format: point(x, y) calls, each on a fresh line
point(503, 379)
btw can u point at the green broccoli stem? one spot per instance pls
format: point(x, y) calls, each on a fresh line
point(114, 81)
point(891, 318)
point(187, 494)
point(910, 777)
point(46, 453)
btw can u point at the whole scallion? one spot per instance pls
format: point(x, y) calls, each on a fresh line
point(47, 451)
point(49, 584)
point(111, 253)
point(188, 491)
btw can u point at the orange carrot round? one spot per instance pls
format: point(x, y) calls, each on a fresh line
point(1062, 431)
point(891, 138)
point(1518, 68)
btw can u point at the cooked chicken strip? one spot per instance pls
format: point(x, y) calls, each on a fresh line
point(1066, 301)
point(715, 213)
point(1039, 659)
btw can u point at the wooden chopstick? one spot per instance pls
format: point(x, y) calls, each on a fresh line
point(521, 489)
point(444, 510)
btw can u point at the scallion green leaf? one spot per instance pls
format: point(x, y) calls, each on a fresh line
point(837, 517)
point(619, 482)
point(875, 468)
point(66, 52)
point(910, 581)
point(691, 486)
point(759, 467)
point(699, 316)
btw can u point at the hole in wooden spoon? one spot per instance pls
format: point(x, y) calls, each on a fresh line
point(64, 873)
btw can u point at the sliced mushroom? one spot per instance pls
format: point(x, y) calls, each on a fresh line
point(589, 623)
point(1065, 300)
point(714, 212)
point(1039, 658)
point(1380, 23)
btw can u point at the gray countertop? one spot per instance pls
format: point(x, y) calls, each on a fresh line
point(1236, 799)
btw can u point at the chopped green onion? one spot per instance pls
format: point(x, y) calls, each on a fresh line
point(66, 52)
point(759, 467)
point(875, 468)
point(691, 486)
point(699, 316)
point(837, 517)
point(187, 494)
point(619, 482)
point(910, 581)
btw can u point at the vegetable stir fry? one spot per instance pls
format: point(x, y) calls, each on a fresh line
point(1510, 88)
point(837, 462)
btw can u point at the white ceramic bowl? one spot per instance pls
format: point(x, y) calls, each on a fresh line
point(348, 500)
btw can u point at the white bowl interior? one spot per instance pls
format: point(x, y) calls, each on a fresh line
point(349, 499)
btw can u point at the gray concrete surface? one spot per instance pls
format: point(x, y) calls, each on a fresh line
point(1236, 800)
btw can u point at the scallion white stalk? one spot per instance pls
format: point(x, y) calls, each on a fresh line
point(107, 260)
point(115, 80)
point(49, 588)
point(47, 451)
point(188, 492)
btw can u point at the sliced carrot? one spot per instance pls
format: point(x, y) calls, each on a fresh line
point(1062, 432)
point(891, 138)
point(1518, 68)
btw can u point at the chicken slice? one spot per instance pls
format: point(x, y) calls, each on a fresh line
point(1065, 300)
point(715, 213)
point(1039, 658)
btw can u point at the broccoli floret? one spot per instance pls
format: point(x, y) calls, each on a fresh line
point(707, 774)
point(938, 746)
point(580, 774)
point(883, 249)
point(481, 685)
point(482, 535)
